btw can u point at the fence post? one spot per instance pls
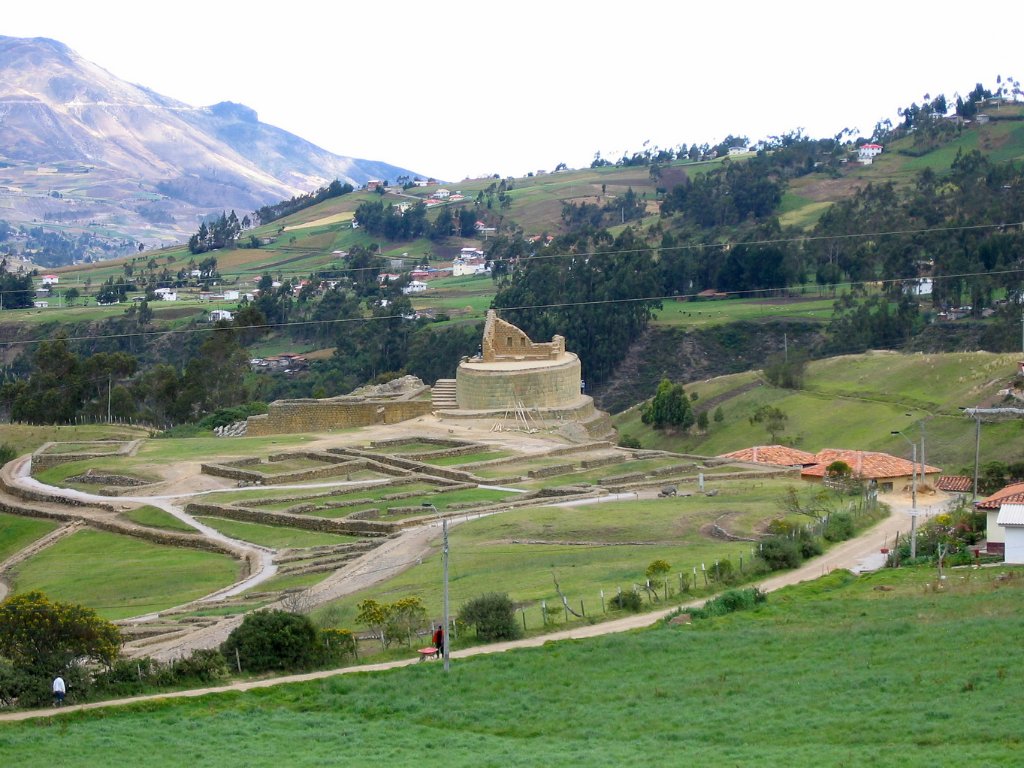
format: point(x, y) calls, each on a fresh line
point(603, 609)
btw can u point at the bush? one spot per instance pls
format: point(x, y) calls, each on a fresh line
point(205, 665)
point(730, 602)
point(780, 553)
point(268, 640)
point(336, 645)
point(723, 572)
point(493, 615)
point(627, 601)
point(810, 547)
point(628, 441)
point(839, 527)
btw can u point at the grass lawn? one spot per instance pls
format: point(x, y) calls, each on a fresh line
point(17, 532)
point(25, 438)
point(467, 458)
point(704, 314)
point(119, 576)
point(273, 535)
point(153, 517)
point(831, 672)
point(591, 548)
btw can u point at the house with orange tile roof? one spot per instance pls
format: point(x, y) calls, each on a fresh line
point(1011, 520)
point(889, 472)
point(995, 534)
point(781, 455)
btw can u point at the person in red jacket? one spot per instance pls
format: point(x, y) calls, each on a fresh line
point(437, 640)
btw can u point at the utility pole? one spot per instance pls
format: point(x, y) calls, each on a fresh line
point(444, 636)
point(913, 505)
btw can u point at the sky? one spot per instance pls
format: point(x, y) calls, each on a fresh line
point(460, 90)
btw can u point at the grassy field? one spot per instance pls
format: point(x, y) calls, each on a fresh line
point(832, 672)
point(119, 576)
point(704, 314)
point(17, 532)
point(273, 535)
point(856, 402)
point(153, 517)
point(25, 438)
point(591, 548)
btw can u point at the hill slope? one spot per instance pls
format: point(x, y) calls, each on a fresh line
point(82, 146)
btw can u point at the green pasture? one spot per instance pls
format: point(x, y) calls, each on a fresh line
point(704, 314)
point(153, 517)
point(120, 576)
point(856, 402)
point(274, 536)
point(85, 447)
point(829, 672)
point(17, 532)
point(291, 464)
point(594, 547)
point(58, 475)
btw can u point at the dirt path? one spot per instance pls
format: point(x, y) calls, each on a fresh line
point(862, 553)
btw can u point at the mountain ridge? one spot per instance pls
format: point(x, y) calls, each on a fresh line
point(82, 147)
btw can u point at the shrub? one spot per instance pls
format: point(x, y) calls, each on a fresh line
point(839, 527)
point(268, 640)
point(780, 553)
point(627, 601)
point(493, 615)
point(810, 547)
point(336, 645)
point(723, 572)
point(628, 441)
point(730, 602)
point(205, 665)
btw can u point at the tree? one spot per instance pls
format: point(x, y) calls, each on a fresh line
point(46, 636)
point(268, 640)
point(670, 407)
point(774, 420)
point(71, 295)
point(493, 615)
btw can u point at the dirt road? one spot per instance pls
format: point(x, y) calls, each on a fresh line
point(862, 553)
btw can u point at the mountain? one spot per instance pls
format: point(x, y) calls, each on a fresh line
point(80, 147)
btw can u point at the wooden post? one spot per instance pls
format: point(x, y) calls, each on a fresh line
point(603, 609)
point(238, 661)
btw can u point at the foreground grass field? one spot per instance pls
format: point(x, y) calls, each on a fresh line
point(834, 672)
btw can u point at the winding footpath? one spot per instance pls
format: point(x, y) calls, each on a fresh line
point(859, 554)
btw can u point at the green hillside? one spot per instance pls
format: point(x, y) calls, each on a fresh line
point(856, 402)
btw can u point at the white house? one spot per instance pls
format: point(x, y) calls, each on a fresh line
point(40, 304)
point(415, 286)
point(738, 150)
point(463, 267)
point(166, 294)
point(442, 194)
point(216, 315)
point(1011, 519)
point(50, 279)
point(867, 153)
point(231, 295)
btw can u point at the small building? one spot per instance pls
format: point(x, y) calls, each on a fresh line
point(232, 295)
point(217, 315)
point(40, 304)
point(1011, 520)
point(995, 533)
point(414, 287)
point(166, 294)
point(866, 153)
point(50, 279)
point(441, 194)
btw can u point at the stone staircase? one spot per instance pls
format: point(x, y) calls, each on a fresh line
point(442, 395)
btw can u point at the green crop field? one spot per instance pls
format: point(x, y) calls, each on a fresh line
point(118, 576)
point(831, 672)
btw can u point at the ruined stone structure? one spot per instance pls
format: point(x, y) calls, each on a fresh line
point(514, 375)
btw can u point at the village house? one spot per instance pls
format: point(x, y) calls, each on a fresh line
point(995, 532)
point(216, 315)
point(441, 194)
point(415, 286)
point(1011, 520)
point(867, 153)
point(166, 294)
point(50, 279)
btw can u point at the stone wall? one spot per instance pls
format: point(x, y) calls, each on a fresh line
point(547, 386)
point(310, 415)
point(503, 341)
point(349, 525)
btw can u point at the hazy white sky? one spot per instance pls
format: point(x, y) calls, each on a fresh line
point(456, 89)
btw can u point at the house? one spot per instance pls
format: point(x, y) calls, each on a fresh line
point(372, 184)
point(889, 472)
point(216, 315)
point(995, 534)
point(1011, 520)
point(441, 194)
point(471, 253)
point(867, 153)
point(955, 484)
point(469, 266)
point(738, 150)
point(286, 362)
point(40, 304)
point(231, 295)
point(780, 455)
point(50, 279)
point(166, 294)
point(414, 287)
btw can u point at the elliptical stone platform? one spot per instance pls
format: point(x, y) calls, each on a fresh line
point(518, 381)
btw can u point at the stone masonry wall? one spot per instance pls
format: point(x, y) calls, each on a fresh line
point(547, 387)
point(310, 415)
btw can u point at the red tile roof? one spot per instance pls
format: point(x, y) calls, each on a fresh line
point(772, 454)
point(1010, 494)
point(955, 483)
point(867, 464)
